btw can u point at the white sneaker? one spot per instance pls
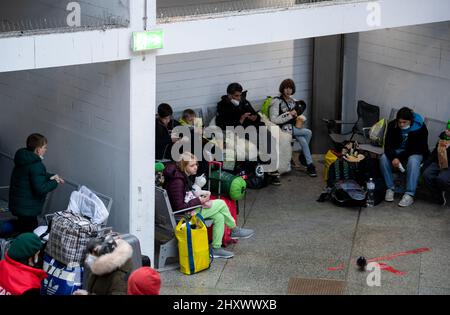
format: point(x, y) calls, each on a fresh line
point(406, 201)
point(389, 197)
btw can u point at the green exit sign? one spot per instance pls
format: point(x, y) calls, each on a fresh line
point(148, 40)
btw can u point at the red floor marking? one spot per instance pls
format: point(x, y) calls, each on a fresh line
point(340, 267)
point(390, 257)
point(390, 269)
point(386, 267)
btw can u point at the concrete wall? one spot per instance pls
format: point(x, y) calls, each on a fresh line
point(200, 79)
point(408, 66)
point(84, 112)
point(327, 89)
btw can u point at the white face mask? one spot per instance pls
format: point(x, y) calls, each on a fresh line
point(235, 102)
point(90, 259)
point(405, 127)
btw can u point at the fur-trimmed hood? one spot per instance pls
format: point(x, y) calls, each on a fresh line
point(108, 263)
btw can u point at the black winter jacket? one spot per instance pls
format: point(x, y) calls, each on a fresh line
point(163, 139)
point(229, 115)
point(417, 142)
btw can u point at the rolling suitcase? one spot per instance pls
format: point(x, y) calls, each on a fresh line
point(136, 245)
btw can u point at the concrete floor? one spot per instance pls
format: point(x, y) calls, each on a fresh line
point(295, 236)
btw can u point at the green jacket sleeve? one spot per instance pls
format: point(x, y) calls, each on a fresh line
point(39, 182)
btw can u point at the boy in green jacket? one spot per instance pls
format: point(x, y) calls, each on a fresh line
point(30, 183)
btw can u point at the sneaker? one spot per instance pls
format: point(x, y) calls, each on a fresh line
point(241, 233)
point(275, 180)
point(311, 170)
point(406, 201)
point(389, 197)
point(222, 253)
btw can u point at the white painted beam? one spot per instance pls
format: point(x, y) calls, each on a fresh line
point(64, 49)
point(314, 20)
point(142, 139)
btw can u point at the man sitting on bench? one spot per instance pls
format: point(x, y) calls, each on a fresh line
point(406, 146)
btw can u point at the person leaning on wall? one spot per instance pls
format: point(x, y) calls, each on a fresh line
point(30, 183)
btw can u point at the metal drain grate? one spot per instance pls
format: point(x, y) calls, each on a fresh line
point(300, 286)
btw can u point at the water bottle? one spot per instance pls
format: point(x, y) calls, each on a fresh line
point(370, 201)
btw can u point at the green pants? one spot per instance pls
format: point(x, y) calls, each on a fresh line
point(220, 215)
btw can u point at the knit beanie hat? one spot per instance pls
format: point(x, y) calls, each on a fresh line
point(24, 246)
point(144, 281)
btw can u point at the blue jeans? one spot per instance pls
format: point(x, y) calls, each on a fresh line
point(304, 136)
point(412, 172)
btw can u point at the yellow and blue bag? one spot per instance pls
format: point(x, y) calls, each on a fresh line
point(193, 247)
point(330, 158)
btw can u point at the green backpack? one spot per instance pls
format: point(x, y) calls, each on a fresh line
point(266, 106)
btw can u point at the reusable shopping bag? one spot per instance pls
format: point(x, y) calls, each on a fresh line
point(193, 247)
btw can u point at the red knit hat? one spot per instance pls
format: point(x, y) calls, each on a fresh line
point(144, 281)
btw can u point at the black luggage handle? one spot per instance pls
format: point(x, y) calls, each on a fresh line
point(220, 164)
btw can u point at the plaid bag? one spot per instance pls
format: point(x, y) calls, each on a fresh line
point(69, 236)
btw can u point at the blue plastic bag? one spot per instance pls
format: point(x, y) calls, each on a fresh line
point(62, 279)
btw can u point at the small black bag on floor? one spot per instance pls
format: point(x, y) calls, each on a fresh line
point(348, 193)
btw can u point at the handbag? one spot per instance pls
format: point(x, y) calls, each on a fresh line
point(193, 247)
point(62, 279)
point(69, 236)
point(377, 132)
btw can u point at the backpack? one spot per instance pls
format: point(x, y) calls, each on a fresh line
point(265, 108)
point(342, 170)
point(377, 132)
point(348, 193)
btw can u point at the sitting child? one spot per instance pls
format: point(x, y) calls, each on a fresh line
point(190, 119)
point(181, 195)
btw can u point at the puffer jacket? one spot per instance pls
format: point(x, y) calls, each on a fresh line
point(110, 272)
point(177, 184)
point(29, 184)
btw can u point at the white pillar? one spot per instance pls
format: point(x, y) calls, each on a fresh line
point(142, 134)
